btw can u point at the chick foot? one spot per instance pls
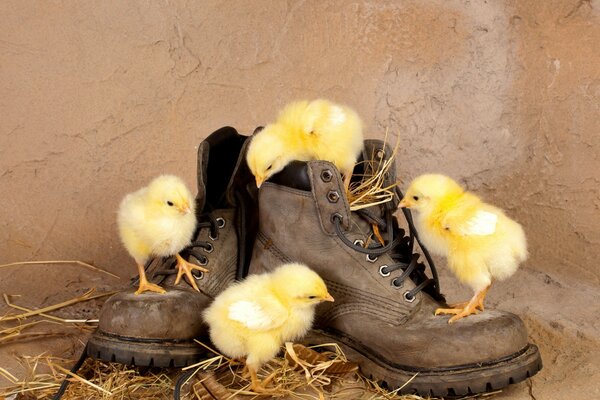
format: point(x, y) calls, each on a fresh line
point(256, 385)
point(185, 267)
point(462, 310)
point(146, 286)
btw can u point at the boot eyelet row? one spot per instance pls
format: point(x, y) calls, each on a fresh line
point(408, 297)
point(326, 175)
point(382, 272)
point(333, 196)
point(371, 258)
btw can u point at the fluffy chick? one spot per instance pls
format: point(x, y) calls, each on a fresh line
point(253, 318)
point(479, 240)
point(158, 221)
point(307, 130)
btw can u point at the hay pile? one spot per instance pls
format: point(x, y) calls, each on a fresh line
point(302, 373)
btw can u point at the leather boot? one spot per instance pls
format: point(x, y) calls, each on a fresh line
point(383, 314)
point(152, 329)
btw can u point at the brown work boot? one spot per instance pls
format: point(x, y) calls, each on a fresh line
point(152, 329)
point(383, 315)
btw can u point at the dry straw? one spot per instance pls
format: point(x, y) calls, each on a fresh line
point(371, 189)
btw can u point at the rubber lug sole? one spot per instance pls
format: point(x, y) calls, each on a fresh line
point(144, 353)
point(452, 382)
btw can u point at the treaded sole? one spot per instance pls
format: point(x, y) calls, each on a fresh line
point(143, 353)
point(453, 382)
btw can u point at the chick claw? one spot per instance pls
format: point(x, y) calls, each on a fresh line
point(459, 313)
point(465, 309)
point(150, 287)
point(186, 268)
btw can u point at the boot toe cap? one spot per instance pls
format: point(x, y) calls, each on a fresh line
point(175, 315)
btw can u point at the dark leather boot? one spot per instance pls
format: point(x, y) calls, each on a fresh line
point(152, 329)
point(383, 315)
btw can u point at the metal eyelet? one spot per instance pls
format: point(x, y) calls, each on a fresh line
point(337, 216)
point(209, 248)
point(407, 298)
point(397, 285)
point(371, 259)
point(220, 222)
point(326, 175)
point(380, 154)
point(359, 242)
point(333, 196)
point(210, 236)
point(203, 262)
point(197, 274)
point(383, 273)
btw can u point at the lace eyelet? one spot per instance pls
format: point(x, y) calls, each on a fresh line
point(213, 238)
point(326, 175)
point(209, 248)
point(408, 297)
point(396, 284)
point(220, 222)
point(359, 242)
point(203, 261)
point(333, 196)
point(380, 153)
point(338, 217)
point(197, 274)
point(382, 273)
point(371, 259)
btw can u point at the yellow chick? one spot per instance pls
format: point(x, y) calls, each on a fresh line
point(255, 317)
point(315, 130)
point(479, 240)
point(158, 221)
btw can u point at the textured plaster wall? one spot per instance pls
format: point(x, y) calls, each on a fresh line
point(98, 97)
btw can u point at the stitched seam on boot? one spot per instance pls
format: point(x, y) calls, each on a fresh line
point(364, 302)
point(269, 246)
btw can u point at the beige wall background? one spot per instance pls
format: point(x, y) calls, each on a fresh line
point(99, 97)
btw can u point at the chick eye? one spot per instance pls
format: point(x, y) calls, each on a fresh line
point(269, 167)
point(170, 203)
point(416, 198)
point(312, 297)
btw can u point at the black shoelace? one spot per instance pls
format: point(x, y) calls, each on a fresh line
point(400, 248)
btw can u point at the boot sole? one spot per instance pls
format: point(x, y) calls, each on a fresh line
point(454, 381)
point(144, 353)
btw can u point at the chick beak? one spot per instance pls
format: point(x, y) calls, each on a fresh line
point(259, 181)
point(184, 209)
point(328, 298)
point(404, 203)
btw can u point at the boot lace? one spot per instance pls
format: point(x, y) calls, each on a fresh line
point(198, 249)
point(400, 247)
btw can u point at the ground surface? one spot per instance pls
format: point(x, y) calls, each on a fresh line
point(569, 346)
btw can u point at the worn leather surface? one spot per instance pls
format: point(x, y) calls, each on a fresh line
point(295, 225)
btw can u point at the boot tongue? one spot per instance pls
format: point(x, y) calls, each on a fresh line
point(241, 178)
point(219, 158)
point(202, 165)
